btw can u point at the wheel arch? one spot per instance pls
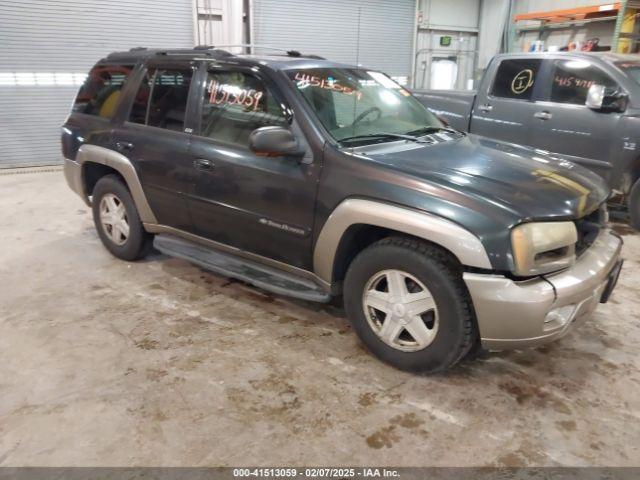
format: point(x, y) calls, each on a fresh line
point(95, 162)
point(357, 223)
point(92, 172)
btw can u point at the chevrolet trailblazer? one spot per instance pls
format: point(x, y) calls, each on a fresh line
point(315, 180)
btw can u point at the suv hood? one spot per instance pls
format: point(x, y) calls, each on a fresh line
point(529, 184)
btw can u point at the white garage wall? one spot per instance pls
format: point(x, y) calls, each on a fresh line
point(47, 46)
point(330, 28)
point(493, 20)
point(438, 18)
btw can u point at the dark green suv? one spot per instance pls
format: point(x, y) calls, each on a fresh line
point(316, 180)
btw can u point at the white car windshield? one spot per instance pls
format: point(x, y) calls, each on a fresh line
point(359, 106)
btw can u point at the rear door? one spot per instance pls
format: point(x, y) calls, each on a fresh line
point(562, 123)
point(505, 103)
point(263, 205)
point(155, 137)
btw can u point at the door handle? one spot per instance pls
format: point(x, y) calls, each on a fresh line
point(203, 164)
point(543, 115)
point(485, 108)
point(124, 146)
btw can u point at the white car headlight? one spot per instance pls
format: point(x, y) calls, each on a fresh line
point(543, 247)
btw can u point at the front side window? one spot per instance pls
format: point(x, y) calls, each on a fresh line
point(354, 103)
point(571, 80)
point(100, 93)
point(234, 105)
point(516, 79)
point(161, 100)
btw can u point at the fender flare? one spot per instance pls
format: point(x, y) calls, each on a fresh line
point(120, 163)
point(460, 242)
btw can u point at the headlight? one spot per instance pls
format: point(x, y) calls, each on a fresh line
point(543, 247)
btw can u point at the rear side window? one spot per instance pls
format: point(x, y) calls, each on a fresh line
point(572, 80)
point(161, 100)
point(516, 78)
point(100, 93)
point(234, 105)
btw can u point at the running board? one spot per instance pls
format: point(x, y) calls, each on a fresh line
point(262, 276)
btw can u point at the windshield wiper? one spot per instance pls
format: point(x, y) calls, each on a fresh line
point(433, 129)
point(383, 135)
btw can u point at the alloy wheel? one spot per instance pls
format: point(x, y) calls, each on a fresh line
point(113, 217)
point(400, 310)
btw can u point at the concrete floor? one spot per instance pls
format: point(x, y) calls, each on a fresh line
point(104, 362)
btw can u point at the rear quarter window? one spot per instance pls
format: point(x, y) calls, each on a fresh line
point(100, 93)
point(516, 78)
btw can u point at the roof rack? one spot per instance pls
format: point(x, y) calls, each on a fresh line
point(205, 50)
point(289, 53)
point(213, 51)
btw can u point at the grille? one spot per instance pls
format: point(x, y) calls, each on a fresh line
point(588, 228)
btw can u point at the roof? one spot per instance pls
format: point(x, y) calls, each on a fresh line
point(610, 57)
point(282, 62)
point(288, 60)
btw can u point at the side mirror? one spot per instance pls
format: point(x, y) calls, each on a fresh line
point(274, 142)
point(606, 99)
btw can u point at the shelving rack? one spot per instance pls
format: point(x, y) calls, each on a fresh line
point(624, 13)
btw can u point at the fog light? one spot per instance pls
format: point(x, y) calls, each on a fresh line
point(558, 317)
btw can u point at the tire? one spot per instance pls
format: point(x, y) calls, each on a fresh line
point(110, 190)
point(634, 205)
point(446, 332)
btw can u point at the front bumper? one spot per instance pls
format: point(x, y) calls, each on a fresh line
point(515, 314)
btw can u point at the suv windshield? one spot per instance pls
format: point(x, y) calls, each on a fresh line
point(632, 69)
point(361, 106)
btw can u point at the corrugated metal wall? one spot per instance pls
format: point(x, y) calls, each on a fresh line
point(440, 18)
point(47, 46)
point(330, 28)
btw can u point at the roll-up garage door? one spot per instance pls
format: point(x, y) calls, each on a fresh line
point(48, 46)
point(330, 28)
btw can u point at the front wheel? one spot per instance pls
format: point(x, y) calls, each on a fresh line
point(117, 221)
point(408, 304)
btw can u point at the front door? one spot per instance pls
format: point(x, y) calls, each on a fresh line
point(263, 205)
point(503, 109)
point(153, 136)
point(563, 124)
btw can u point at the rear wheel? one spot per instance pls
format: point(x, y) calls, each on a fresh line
point(117, 221)
point(408, 304)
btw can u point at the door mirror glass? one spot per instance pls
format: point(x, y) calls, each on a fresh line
point(595, 97)
point(274, 142)
point(608, 99)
